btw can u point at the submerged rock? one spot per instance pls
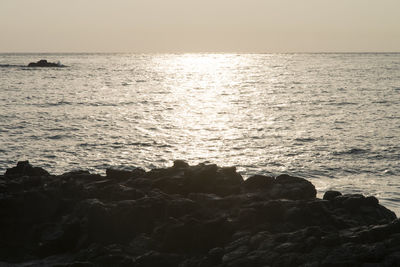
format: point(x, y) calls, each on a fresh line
point(201, 215)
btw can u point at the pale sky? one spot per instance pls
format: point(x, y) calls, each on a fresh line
point(200, 26)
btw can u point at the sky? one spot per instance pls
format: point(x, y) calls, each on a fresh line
point(158, 26)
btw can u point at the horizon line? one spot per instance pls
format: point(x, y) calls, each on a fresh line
point(212, 52)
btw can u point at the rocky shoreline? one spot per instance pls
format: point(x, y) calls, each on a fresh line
point(198, 216)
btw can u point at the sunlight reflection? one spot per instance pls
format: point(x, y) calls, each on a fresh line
point(204, 100)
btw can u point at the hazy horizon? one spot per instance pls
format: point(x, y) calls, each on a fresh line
point(179, 26)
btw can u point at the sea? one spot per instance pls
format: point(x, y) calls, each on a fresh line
point(332, 118)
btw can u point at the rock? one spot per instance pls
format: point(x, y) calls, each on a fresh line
point(371, 201)
point(353, 202)
point(98, 221)
point(207, 200)
point(58, 238)
point(330, 195)
point(154, 258)
point(114, 192)
point(215, 255)
point(330, 240)
point(110, 255)
point(258, 182)
point(202, 178)
point(286, 247)
point(141, 183)
point(289, 259)
point(271, 211)
point(37, 206)
point(45, 63)
point(181, 207)
point(238, 253)
point(172, 185)
point(130, 218)
point(295, 188)
point(180, 164)
point(186, 216)
point(23, 168)
point(82, 176)
point(122, 175)
point(141, 244)
point(76, 264)
point(193, 235)
point(392, 259)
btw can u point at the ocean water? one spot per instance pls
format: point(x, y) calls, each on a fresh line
point(331, 118)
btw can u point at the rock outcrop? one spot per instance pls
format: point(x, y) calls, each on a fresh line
point(201, 215)
point(44, 63)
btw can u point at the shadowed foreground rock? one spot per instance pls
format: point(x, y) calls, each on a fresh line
point(185, 215)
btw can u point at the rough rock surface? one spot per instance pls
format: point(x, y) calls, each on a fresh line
point(45, 63)
point(185, 215)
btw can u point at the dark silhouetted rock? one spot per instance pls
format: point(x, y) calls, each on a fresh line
point(180, 164)
point(153, 258)
point(122, 175)
point(45, 63)
point(192, 235)
point(258, 182)
point(329, 195)
point(186, 216)
point(291, 187)
point(24, 168)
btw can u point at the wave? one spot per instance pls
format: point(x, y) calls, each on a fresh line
point(94, 104)
point(303, 140)
point(381, 102)
point(344, 103)
point(58, 136)
point(352, 151)
point(59, 103)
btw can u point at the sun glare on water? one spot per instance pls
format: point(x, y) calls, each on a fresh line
point(204, 97)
